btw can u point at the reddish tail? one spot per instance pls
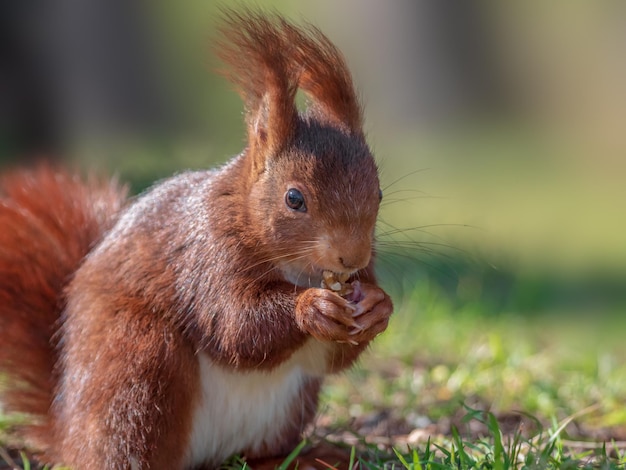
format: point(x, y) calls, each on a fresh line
point(48, 222)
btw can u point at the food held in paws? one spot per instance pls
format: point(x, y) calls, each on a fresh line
point(337, 283)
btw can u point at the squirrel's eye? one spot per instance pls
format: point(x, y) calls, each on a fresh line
point(295, 200)
point(380, 195)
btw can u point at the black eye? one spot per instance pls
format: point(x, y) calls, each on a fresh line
point(295, 200)
point(380, 195)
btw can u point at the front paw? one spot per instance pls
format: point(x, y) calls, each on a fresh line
point(372, 311)
point(326, 316)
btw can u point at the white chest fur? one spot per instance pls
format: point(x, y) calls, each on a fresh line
point(241, 410)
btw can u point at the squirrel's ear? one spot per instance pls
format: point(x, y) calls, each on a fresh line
point(253, 47)
point(271, 122)
point(325, 77)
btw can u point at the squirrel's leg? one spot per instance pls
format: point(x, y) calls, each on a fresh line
point(129, 386)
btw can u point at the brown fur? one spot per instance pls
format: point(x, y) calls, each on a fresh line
point(207, 263)
point(50, 220)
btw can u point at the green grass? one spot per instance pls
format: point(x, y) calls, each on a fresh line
point(494, 449)
point(467, 385)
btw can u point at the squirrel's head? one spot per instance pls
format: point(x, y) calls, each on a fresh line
point(312, 183)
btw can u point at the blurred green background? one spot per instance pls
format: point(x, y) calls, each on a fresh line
point(498, 128)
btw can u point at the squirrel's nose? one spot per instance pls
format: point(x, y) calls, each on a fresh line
point(342, 252)
point(355, 261)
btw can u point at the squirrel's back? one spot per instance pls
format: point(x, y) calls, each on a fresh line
point(50, 220)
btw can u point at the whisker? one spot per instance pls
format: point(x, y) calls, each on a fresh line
point(420, 228)
point(303, 254)
point(420, 244)
point(311, 263)
point(414, 254)
point(396, 181)
point(419, 249)
point(284, 255)
point(449, 272)
point(406, 195)
point(401, 191)
point(390, 202)
point(389, 245)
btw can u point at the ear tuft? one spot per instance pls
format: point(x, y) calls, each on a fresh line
point(325, 77)
point(253, 49)
point(269, 58)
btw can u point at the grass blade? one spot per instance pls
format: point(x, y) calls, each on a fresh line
point(292, 456)
point(498, 448)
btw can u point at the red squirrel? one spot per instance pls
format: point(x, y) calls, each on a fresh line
point(189, 324)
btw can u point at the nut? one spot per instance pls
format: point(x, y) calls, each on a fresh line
point(337, 283)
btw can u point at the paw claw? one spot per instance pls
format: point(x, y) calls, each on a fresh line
point(358, 311)
point(356, 329)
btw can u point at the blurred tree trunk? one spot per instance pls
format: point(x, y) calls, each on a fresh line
point(76, 68)
point(434, 58)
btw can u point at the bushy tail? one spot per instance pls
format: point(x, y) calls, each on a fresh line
point(49, 220)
